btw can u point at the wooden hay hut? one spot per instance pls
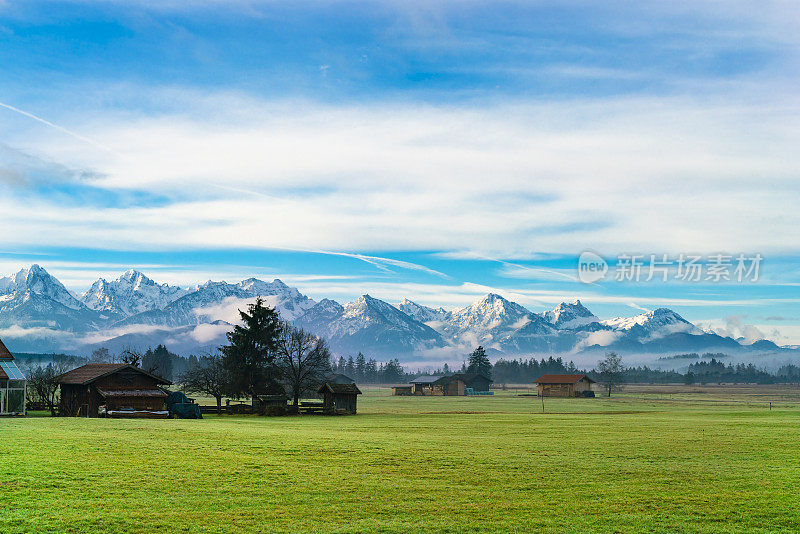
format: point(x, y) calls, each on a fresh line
point(12, 385)
point(403, 390)
point(564, 386)
point(339, 398)
point(272, 402)
point(426, 385)
point(461, 383)
point(121, 390)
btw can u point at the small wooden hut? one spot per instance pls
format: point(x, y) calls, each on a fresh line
point(121, 390)
point(403, 390)
point(564, 386)
point(339, 398)
point(459, 384)
point(426, 385)
point(272, 402)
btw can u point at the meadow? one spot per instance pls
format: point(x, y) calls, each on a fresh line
point(652, 459)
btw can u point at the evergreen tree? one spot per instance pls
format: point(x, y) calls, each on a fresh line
point(159, 362)
point(361, 368)
point(372, 371)
point(250, 355)
point(479, 363)
point(392, 372)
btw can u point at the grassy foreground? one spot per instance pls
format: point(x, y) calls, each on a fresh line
point(635, 463)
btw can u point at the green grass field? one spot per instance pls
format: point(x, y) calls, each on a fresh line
point(656, 460)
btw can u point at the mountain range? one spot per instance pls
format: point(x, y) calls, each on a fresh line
point(38, 314)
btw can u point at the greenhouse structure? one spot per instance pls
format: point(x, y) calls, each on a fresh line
point(12, 385)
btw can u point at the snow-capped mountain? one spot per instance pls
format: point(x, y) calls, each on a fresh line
point(369, 324)
point(33, 299)
point(221, 300)
point(131, 293)
point(498, 323)
point(653, 325)
point(570, 315)
point(37, 281)
point(423, 314)
point(38, 313)
point(320, 316)
point(488, 319)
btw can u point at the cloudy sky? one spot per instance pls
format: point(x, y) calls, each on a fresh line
point(430, 150)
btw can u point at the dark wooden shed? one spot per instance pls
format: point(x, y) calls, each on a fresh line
point(339, 398)
point(457, 384)
point(403, 390)
point(564, 385)
point(121, 389)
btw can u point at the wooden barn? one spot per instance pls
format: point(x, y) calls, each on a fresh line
point(339, 398)
point(564, 386)
point(12, 385)
point(112, 390)
point(426, 385)
point(461, 383)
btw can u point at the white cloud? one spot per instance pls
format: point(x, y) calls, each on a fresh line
point(613, 174)
point(208, 333)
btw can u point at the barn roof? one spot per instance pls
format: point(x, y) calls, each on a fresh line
point(339, 378)
point(561, 379)
point(5, 354)
point(426, 379)
point(467, 378)
point(346, 389)
point(86, 374)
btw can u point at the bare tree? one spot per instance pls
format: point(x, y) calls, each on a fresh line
point(43, 384)
point(208, 377)
point(303, 360)
point(610, 370)
point(131, 357)
point(100, 355)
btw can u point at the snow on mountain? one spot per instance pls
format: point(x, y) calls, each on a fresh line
point(570, 315)
point(653, 325)
point(39, 313)
point(318, 317)
point(221, 300)
point(36, 281)
point(491, 321)
point(374, 326)
point(32, 298)
point(489, 314)
point(423, 314)
point(131, 293)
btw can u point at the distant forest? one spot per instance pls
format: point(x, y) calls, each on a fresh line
point(705, 369)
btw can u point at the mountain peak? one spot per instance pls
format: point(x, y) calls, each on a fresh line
point(569, 315)
point(653, 324)
point(131, 293)
point(418, 312)
point(37, 281)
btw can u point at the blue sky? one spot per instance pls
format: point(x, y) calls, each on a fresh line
point(430, 150)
